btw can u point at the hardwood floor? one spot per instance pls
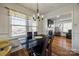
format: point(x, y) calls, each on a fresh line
point(61, 47)
point(21, 52)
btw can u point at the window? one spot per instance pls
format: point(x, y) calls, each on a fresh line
point(34, 29)
point(18, 30)
point(18, 22)
point(67, 26)
point(64, 26)
point(32, 25)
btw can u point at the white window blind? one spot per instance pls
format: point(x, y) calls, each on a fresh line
point(18, 23)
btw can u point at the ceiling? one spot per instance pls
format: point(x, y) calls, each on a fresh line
point(45, 7)
point(63, 17)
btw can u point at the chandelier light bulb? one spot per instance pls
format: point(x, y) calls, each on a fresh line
point(33, 15)
point(42, 16)
point(37, 14)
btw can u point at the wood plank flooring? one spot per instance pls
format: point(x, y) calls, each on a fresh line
point(61, 47)
point(21, 52)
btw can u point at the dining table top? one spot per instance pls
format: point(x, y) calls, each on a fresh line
point(38, 37)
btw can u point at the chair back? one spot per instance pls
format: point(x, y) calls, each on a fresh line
point(47, 46)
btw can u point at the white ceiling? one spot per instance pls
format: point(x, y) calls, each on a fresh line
point(45, 7)
point(63, 17)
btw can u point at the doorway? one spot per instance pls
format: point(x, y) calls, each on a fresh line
point(62, 29)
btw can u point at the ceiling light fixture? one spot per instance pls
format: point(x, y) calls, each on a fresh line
point(37, 15)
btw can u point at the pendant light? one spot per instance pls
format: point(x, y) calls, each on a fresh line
point(37, 16)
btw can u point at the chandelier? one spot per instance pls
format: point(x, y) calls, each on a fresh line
point(37, 15)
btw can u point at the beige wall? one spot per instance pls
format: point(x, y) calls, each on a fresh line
point(42, 26)
point(75, 40)
point(4, 22)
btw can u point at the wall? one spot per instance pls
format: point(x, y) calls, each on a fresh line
point(45, 26)
point(42, 26)
point(75, 40)
point(4, 23)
